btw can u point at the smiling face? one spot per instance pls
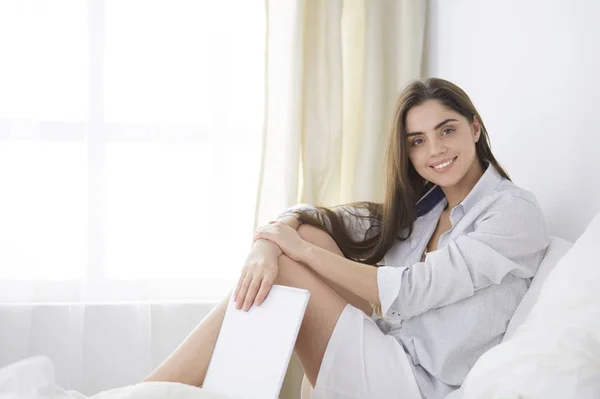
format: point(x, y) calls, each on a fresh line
point(441, 143)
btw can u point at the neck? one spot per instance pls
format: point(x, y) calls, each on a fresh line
point(458, 192)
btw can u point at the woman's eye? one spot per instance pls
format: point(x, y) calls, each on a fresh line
point(448, 131)
point(417, 142)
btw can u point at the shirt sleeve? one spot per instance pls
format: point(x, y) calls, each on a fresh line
point(510, 238)
point(355, 220)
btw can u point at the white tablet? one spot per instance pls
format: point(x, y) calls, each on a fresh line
point(253, 348)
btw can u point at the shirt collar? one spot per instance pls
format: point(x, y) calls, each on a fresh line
point(486, 185)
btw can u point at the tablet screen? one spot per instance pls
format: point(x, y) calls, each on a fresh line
point(253, 348)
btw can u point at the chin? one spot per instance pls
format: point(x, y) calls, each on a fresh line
point(447, 184)
point(446, 181)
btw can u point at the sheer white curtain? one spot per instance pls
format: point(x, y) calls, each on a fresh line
point(132, 143)
point(129, 146)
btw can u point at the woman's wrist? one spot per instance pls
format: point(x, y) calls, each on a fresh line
point(308, 254)
point(268, 245)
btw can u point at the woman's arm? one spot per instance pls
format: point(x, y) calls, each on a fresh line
point(260, 269)
point(355, 277)
point(510, 239)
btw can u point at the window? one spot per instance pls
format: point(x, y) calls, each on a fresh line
point(130, 136)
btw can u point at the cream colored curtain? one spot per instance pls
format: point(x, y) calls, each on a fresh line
point(334, 71)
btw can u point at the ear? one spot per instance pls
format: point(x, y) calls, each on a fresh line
point(476, 129)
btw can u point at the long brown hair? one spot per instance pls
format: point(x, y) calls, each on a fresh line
point(403, 186)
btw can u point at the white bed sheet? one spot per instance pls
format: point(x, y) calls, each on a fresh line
point(33, 378)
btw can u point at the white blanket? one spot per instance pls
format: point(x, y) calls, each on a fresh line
point(33, 378)
point(555, 354)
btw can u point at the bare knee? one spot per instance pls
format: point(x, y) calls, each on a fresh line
point(291, 273)
point(318, 237)
point(311, 233)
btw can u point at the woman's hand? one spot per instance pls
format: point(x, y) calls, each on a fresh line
point(286, 238)
point(258, 275)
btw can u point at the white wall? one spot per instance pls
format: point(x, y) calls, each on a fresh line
point(532, 68)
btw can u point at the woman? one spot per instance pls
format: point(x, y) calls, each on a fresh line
point(455, 243)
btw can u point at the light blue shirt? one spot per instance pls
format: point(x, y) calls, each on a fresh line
point(449, 308)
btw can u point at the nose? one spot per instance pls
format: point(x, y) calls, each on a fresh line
point(436, 147)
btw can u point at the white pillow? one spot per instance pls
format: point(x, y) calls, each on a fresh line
point(555, 353)
point(556, 250)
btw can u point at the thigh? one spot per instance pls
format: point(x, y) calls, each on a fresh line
point(322, 313)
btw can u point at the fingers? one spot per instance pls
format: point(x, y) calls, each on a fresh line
point(256, 237)
point(252, 290)
point(238, 288)
point(241, 298)
point(260, 234)
point(267, 232)
point(258, 275)
point(265, 287)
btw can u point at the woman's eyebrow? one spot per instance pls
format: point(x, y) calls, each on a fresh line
point(439, 125)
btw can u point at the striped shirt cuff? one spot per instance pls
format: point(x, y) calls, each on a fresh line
point(388, 282)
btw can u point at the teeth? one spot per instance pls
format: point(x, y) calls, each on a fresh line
point(443, 165)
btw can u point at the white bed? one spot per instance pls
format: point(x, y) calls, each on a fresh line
point(551, 349)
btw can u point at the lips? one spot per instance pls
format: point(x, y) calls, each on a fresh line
point(443, 165)
point(440, 165)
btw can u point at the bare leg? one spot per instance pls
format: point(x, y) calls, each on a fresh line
point(322, 313)
point(189, 362)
